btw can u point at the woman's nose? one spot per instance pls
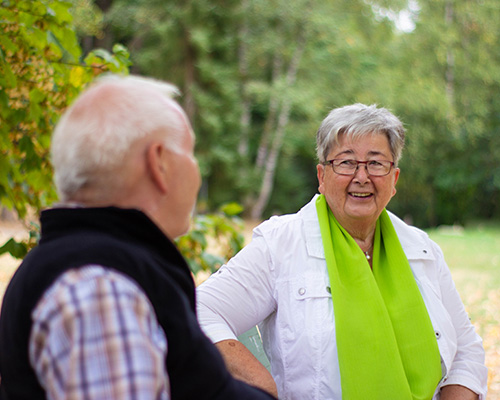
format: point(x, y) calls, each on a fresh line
point(361, 173)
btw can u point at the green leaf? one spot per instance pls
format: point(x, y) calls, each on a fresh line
point(37, 96)
point(15, 249)
point(122, 55)
point(194, 266)
point(28, 19)
point(7, 44)
point(60, 10)
point(36, 37)
point(211, 261)
point(7, 77)
point(199, 237)
point(4, 167)
point(232, 208)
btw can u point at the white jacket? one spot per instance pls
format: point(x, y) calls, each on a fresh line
point(280, 281)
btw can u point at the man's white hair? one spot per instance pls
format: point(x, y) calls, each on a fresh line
point(95, 134)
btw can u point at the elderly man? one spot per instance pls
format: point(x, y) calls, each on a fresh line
point(103, 308)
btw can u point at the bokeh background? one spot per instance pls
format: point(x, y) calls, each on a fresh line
point(257, 77)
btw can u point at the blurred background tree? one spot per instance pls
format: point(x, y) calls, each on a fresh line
point(258, 76)
point(452, 110)
point(42, 69)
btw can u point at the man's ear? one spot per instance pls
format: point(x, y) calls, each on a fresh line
point(157, 165)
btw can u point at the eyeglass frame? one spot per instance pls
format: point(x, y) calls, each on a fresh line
point(358, 162)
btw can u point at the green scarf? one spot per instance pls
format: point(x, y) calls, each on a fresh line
point(386, 345)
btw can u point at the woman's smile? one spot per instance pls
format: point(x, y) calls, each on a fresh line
point(360, 195)
point(357, 199)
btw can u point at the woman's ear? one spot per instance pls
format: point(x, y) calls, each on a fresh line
point(396, 177)
point(320, 168)
point(157, 165)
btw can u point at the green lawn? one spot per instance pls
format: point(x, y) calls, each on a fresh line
point(473, 255)
point(476, 247)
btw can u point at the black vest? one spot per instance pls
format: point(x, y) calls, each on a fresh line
point(129, 242)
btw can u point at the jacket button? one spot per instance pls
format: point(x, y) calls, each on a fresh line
point(302, 291)
point(329, 289)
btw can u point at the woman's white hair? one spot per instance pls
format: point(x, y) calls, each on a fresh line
point(359, 120)
point(96, 133)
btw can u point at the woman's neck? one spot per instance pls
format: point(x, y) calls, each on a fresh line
point(365, 245)
point(363, 236)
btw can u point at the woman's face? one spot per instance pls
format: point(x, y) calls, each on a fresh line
point(358, 198)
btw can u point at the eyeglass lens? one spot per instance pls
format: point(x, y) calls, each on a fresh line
point(373, 167)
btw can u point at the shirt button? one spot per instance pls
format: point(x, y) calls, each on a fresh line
point(302, 291)
point(329, 289)
point(425, 251)
point(438, 334)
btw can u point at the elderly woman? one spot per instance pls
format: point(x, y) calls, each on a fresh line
point(351, 302)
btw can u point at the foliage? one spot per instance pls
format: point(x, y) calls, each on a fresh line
point(442, 79)
point(452, 160)
point(41, 71)
point(254, 74)
point(213, 239)
point(234, 62)
point(18, 249)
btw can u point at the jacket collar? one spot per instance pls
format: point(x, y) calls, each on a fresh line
point(312, 231)
point(129, 225)
point(415, 242)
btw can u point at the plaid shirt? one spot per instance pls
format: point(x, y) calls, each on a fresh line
point(95, 336)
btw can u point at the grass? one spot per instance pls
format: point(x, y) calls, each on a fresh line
point(473, 255)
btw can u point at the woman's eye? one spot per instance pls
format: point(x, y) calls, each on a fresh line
point(348, 163)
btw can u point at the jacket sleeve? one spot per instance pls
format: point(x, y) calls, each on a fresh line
point(468, 366)
point(239, 295)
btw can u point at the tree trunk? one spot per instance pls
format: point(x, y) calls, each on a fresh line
point(450, 64)
point(107, 40)
point(274, 103)
point(189, 78)
point(272, 159)
point(271, 162)
point(246, 116)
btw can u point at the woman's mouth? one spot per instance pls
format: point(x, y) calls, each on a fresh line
point(360, 195)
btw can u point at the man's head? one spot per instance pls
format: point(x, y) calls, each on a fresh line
point(125, 142)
